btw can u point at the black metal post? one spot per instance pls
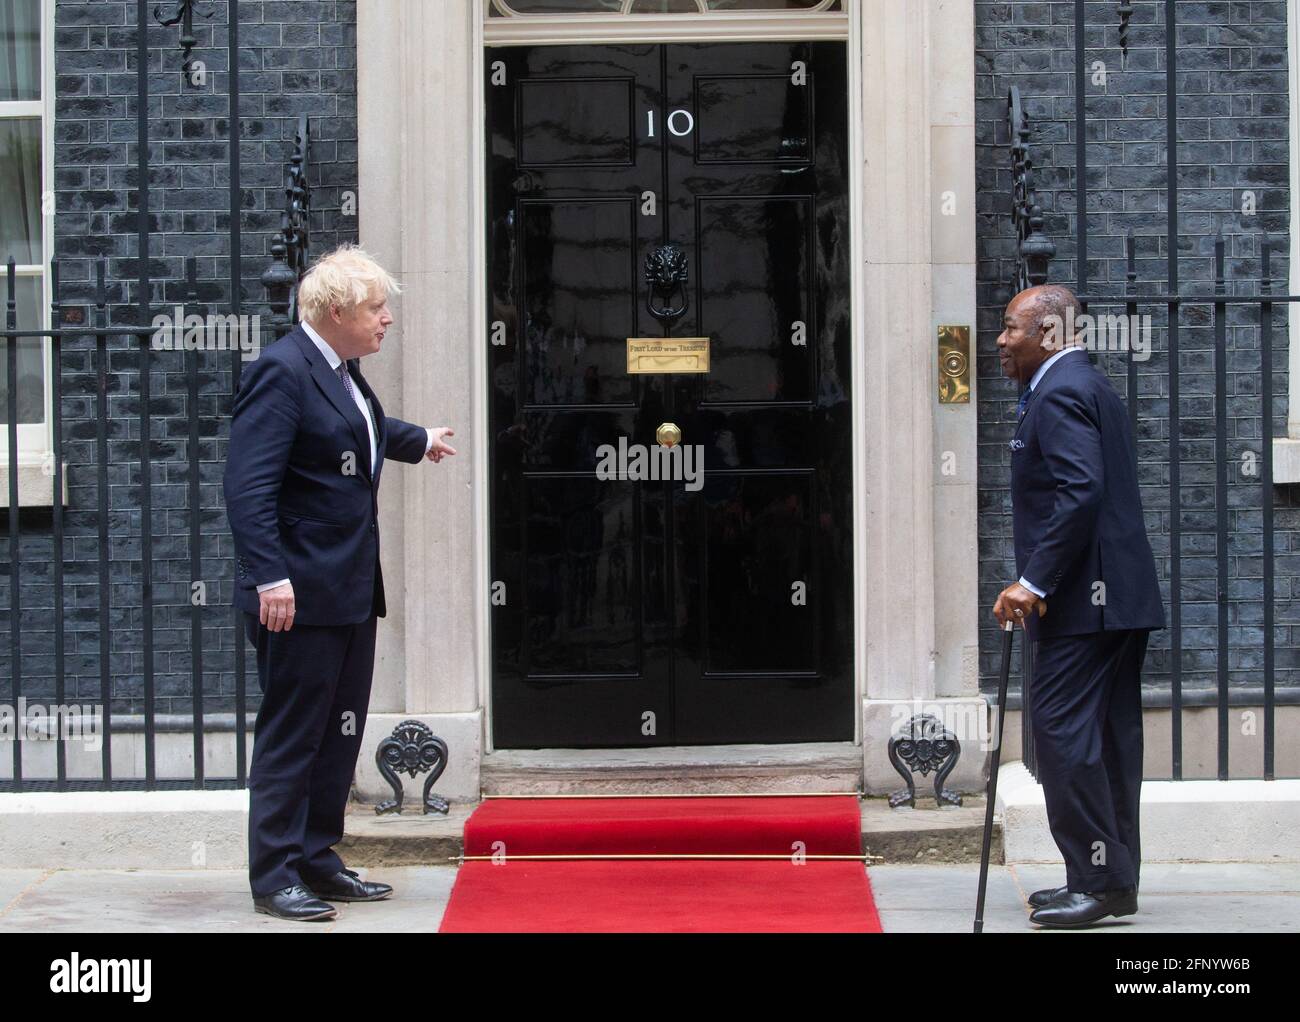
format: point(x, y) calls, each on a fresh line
point(1131, 311)
point(56, 513)
point(1266, 495)
point(1221, 495)
point(197, 599)
point(236, 359)
point(146, 480)
point(15, 604)
point(1175, 439)
point(101, 458)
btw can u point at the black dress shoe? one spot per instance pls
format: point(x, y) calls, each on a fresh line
point(1076, 908)
point(347, 886)
point(296, 903)
point(1046, 896)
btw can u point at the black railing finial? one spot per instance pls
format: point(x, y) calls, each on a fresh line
point(1125, 12)
point(1036, 249)
point(184, 17)
point(291, 243)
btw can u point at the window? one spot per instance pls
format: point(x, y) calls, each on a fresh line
point(26, 219)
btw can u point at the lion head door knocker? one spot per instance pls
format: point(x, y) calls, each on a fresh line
point(924, 744)
point(412, 748)
point(665, 273)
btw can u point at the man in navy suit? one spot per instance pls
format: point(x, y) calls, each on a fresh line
point(308, 440)
point(1086, 567)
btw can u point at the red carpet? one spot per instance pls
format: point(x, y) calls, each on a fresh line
point(663, 895)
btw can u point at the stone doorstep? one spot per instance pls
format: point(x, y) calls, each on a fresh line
point(927, 833)
point(700, 769)
point(921, 835)
point(409, 838)
point(924, 834)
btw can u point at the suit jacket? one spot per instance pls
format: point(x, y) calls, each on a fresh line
point(295, 512)
point(1077, 512)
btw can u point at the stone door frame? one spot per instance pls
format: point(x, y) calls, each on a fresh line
point(912, 196)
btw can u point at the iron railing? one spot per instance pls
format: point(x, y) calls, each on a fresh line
point(118, 380)
point(1219, 311)
point(1249, 313)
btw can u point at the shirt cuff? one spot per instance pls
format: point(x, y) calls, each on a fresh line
point(1032, 588)
point(429, 446)
point(272, 585)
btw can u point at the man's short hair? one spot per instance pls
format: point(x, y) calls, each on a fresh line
point(1055, 301)
point(345, 277)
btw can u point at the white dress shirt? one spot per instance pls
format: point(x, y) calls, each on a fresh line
point(1033, 382)
point(332, 357)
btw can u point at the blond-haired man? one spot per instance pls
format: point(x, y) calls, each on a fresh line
point(308, 440)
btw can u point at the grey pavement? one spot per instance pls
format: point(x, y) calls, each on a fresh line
point(1175, 897)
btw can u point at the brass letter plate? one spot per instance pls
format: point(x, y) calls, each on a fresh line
point(954, 365)
point(667, 354)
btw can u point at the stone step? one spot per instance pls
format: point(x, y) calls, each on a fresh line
point(927, 834)
point(922, 835)
point(403, 839)
point(816, 767)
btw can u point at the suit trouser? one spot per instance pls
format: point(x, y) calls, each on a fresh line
point(315, 682)
point(1086, 713)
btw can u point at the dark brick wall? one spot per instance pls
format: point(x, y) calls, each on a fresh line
point(294, 58)
point(300, 57)
point(1232, 139)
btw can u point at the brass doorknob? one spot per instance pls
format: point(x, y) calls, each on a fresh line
point(668, 434)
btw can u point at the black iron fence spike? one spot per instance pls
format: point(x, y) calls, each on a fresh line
point(184, 16)
point(1125, 12)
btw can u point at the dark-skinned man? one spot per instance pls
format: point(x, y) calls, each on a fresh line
point(1088, 594)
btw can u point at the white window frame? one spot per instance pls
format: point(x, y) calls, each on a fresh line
point(35, 440)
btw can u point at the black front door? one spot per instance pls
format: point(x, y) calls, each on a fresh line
point(715, 607)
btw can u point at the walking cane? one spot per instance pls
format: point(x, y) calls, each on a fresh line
point(1008, 630)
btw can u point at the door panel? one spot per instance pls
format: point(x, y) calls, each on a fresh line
point(753, 285)
point(579, 296)
point(583, 608)
point(648, 612)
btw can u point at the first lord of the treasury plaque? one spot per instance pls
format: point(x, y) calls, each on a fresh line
point(667, 354)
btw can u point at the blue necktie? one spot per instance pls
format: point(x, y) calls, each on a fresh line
point(346, 377)
point(1023, 403)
